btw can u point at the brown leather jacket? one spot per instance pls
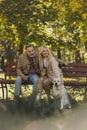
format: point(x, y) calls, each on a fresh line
point(23, 65)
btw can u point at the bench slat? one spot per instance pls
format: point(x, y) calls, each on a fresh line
point(11, 82)
point(74, 83)
point(69, 69)
point(74, 75)
point(78, 64)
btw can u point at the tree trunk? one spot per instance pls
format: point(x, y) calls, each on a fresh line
point(85, 46)
point(77, 56)
point(59, 53)
point(20, 49)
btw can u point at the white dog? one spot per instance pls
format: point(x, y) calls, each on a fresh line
point(56, 86)
point(59, 89)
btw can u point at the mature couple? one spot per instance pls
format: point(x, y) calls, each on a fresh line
point(30, 65)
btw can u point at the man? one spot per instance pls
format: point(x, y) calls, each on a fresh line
point(27, 69)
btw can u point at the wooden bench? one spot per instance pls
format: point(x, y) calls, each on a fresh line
point(75, 75)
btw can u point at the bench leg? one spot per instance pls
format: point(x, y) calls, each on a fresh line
point(85, 89)
point(6, 91)
point(3, 93)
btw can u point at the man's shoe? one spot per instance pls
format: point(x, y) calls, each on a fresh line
point(16, 98)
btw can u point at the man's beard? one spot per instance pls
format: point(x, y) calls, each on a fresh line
point(32, 55)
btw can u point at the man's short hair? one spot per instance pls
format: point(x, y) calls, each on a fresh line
point(28, 45)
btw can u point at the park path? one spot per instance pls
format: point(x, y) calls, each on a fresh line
point(72, 119)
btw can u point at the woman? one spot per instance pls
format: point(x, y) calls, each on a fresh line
point(47, 60)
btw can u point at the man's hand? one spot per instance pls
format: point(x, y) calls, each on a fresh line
point(24, 77)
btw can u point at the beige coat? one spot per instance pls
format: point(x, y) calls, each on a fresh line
point(23, 66)
point(53, 70)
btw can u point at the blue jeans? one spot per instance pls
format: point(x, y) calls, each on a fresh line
point(31, 77)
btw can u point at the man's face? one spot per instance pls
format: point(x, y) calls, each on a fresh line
point(30, 51)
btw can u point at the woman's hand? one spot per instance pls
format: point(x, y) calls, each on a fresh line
point(66, 63)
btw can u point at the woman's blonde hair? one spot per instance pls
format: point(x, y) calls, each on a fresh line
point(40, 50)
point(41, 56)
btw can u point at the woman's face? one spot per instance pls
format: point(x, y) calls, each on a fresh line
point(45, 52)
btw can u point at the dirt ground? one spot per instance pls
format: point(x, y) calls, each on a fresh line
point(70, 119)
